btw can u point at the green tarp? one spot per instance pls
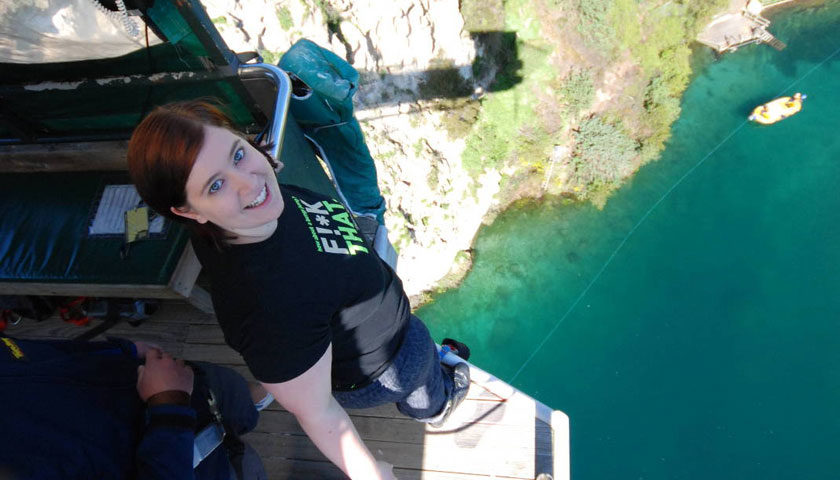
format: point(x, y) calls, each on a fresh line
point(326, 116)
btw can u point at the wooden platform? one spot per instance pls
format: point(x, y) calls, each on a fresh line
point(741, 25)
point(497, 433)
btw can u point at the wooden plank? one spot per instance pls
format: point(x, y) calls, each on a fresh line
point(163, 335)
point(405, 430)
point(529, 439)
point(212, 353)
point(202, 334)
point(281, 468)
point(124, 290)
point(185, 273)
point(64, 157)
point(201, 299)
point(180, 286)
point(174, 311)
point(560, 443)
point(285, 467)
point(52, 328)
point(501, 460)
point(389, 410)
point(413, 474)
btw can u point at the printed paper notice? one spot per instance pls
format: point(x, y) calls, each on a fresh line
point(110, 214)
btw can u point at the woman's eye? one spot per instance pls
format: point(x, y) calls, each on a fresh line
point(238, 155)
point(215, 186)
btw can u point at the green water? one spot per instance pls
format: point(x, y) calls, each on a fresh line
point(706, 346)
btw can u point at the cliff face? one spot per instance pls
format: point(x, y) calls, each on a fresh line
point(405, 51)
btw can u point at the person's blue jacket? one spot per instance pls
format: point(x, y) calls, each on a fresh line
point(70, 410)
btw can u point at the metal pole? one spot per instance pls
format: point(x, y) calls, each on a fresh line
point(277, 122)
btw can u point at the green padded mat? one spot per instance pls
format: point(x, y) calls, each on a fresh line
point(44, 220)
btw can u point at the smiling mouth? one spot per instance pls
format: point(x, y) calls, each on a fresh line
point(260, 198)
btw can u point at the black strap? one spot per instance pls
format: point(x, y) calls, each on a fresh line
point(211, 414)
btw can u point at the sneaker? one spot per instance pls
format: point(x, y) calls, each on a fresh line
point(457, 348)
point(461, 381)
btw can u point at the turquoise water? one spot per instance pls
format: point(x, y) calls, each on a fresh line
point(706, 344)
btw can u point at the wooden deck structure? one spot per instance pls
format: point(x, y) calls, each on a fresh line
point(741, 25)
point(498, 432)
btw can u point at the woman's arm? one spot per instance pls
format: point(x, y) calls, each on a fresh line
point(309, 398)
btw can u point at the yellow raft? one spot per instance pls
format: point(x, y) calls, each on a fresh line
point(778, 109)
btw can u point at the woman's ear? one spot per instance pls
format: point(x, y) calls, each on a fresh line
point(186, 212)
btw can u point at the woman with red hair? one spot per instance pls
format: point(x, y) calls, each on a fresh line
point(319, 319)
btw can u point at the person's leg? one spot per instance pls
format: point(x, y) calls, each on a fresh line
point(432, 384)
point(420, 386)
point(232, 395)
point(432, 391)
point(260, 396)
point(236, 402)
point(372, 395)
point(414, 372)
point(443, 388)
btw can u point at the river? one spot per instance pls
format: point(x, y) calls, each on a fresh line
point(691, 328)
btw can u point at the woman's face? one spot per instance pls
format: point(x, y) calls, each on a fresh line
point(232, 185)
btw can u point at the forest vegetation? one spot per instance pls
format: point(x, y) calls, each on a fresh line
point(601, 77)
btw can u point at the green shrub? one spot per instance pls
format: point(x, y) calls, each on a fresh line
point(269, 56)
point(578, 91)
point(332, 19)
point(433, 178)
point(698, 13)
point(284, 16)
point(662, 107)
point(603, 152)
point(459, 116)
point(594, 24)
point(486, 147)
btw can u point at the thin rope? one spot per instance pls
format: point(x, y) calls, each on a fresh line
point(642, 220)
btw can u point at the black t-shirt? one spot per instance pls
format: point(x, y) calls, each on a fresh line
point(282, 301)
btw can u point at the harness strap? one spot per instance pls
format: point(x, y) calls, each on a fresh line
point(206, 441)
point(211, 436)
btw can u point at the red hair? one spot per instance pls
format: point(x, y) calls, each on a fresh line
point(161, 154)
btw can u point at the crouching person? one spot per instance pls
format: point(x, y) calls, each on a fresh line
point(120, 410)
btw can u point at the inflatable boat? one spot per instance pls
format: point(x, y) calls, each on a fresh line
point(778, 109)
